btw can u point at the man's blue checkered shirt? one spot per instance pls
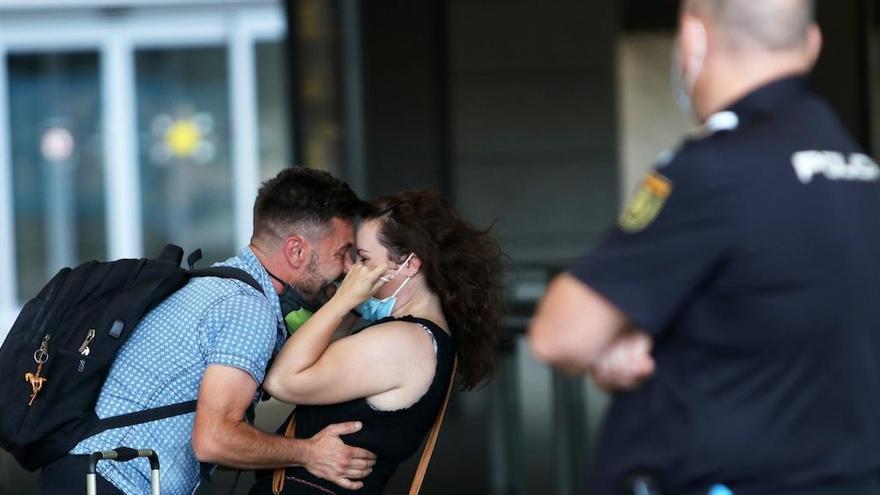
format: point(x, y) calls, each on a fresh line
point(209, 321)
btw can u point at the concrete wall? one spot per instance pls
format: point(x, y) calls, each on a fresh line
point(842, 75)
point(875, 89)
point(534, 121)
point(534, 148)
point(405, 89)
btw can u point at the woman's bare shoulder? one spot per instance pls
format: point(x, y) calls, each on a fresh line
point(398, 335)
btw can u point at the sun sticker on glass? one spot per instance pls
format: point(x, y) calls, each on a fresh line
point(183, 137)
point(646, 204)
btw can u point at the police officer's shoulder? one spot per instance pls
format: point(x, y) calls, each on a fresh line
point(696, 175)
point(707, 148)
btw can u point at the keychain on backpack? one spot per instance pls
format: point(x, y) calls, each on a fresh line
point(41, 355)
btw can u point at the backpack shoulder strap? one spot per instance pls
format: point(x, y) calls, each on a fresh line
point(144, 416)
point(227, 272)
point(422, 469)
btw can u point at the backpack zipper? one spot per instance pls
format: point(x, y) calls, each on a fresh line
point(84, 348)
point(44, 312)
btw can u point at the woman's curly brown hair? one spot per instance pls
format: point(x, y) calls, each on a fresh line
point(461, 264)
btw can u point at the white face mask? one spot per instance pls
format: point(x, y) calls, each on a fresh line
point(684, 77)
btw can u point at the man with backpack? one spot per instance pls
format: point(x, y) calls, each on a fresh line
point(212, 340)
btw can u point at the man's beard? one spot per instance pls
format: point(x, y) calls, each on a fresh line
point(315, 290)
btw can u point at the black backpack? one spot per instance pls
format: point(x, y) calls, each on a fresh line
point(57, 355)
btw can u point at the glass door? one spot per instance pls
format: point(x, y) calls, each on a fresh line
point(184, 149)
point(57, 164)
point(120, 133)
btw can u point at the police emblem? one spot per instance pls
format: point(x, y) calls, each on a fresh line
point(646, 204)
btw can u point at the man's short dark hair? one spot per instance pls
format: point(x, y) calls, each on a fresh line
point(304, 199)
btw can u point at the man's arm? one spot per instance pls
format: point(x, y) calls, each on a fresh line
point(222, 436)
point(573, 325)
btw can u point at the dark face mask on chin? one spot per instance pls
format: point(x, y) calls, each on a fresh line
point(294, 307)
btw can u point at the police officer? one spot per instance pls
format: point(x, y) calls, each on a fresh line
point(748, 265)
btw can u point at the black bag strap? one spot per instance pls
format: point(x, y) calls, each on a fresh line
point(227, 272)
point(174, 254)
point(154, 414)
point(144, 416)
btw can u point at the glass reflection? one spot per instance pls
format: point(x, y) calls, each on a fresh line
point(185, 169)
point(57, 164)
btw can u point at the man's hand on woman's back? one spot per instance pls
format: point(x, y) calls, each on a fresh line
point(331, 459)
point(222, 436)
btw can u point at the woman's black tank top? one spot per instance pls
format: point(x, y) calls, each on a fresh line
point(393, 436)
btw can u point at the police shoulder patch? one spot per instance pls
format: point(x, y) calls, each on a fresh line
point(646, 204)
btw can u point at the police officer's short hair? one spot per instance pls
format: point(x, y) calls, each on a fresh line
point(773, 24)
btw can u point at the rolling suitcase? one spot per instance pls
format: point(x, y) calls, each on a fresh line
point(123, 454)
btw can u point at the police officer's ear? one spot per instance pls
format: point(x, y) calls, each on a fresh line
point(814, 45)
point(694, 39)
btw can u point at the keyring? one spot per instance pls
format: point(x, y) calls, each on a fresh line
point(41, 356)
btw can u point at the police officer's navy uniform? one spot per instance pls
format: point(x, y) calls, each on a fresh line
point(753, 260)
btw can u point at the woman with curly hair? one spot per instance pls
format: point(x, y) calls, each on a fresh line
point(429, 284)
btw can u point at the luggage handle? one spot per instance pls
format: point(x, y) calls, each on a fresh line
point(122, 454)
